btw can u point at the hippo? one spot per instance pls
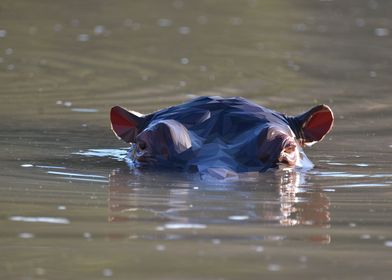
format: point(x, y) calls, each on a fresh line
point(231, 135)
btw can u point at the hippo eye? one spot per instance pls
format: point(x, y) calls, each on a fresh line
point(141, 145)
point(289, 148)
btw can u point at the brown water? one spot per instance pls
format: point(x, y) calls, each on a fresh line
point(71, 209)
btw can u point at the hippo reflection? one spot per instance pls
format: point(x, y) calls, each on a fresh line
point(223, 135)
point(269, 199)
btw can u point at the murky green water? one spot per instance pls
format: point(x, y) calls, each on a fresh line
point(70, 209)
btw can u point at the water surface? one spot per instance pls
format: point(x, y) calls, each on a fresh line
point(70, 207)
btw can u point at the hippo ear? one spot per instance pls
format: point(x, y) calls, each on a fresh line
point(125, 125)
point(315, 124)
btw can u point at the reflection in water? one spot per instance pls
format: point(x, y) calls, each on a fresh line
point(299, 206)
point(195, 203)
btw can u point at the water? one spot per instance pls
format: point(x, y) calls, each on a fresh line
point(71, 208)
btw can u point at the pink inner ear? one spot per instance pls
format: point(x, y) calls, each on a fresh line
point(122, 125)
point(319, 124)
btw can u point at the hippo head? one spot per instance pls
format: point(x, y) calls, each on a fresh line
point(237, 136)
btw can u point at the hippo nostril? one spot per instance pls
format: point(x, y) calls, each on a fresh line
point(284, 161)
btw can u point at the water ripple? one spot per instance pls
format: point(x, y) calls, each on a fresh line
point(49, 220)
point(184, 226)
point(117, 154)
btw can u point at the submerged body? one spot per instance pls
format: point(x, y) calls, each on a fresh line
point(231, 134)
